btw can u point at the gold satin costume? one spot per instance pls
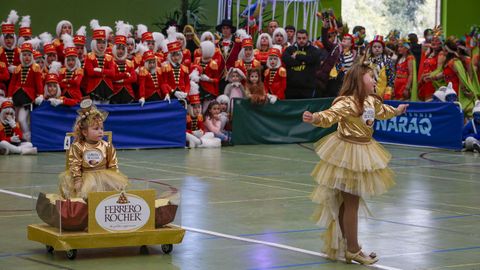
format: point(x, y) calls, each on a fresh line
point(350, 161)
point(97, 165)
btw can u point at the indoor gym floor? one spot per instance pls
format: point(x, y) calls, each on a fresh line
point(248, 207)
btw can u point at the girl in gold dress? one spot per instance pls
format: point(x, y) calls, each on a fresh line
point(352, 165)
point(92, 161)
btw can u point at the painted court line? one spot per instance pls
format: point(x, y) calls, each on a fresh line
point(285, 247)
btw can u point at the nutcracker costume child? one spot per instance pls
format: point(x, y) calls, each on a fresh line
point(92, 162)
point(79, 40)
point(99, 67)
point(71, 75)
point(209, 73)
point(26, 87)
point(125, 75)
point(150, 78)
point(9, 53)
point(275, 75)
point(176, 81)
point(49, 51)
point(246, 59)
point(264, 43)
point(208, 36)
point(11, 136)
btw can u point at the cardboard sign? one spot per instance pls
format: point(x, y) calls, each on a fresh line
point(114, 211)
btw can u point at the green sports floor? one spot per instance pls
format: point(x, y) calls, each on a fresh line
point(247, 207)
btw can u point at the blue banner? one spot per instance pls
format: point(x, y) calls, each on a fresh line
point(433, 124)
point(155, 125)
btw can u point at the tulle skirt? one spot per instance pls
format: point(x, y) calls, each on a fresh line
point(98, 180)
point(356, 168)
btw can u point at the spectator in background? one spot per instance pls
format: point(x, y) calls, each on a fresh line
point(290, 29)
point(272, 25)
point(301, 61)
point(415, 48)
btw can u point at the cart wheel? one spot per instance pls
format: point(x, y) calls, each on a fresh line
point(167, 248)
point(49, 249)
point(144, 250)
point(71, 254)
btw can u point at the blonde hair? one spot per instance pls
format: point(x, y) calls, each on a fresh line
point(353, 84)
point(85, 120)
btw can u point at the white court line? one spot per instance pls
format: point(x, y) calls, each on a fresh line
point(256, 200)
point(286, 247)
point(435, 166)
point(272, 157)
point(439, 177)
point(271, 244)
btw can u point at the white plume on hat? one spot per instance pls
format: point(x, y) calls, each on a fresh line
point(122, 29)
point(94, 24)
point(82, 31)
point(172, 33)
point(208, 48)
point(55, 67)
point(12, 17)
point(25, 22)
point(46, 38)
point(141, 28)
point(67, 41)
point(241, 33)
point(159, 38)
point(141, 48)
point(35, 42)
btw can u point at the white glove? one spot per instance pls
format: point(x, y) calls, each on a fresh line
point(141, 101)
point(97, 69)
point(272, 98)
point(180, 94)
point(11, 68)
point(197, 133)
point(205, 78)
point(119, 81)
point(39, 100)
point(167, 97)
point(15, 138)
point(55, 102)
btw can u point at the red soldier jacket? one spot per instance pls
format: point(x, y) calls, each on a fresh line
point(212, 71)
point(70, 82)
point(228, 59)
point(4, 75)
point(125, 76)
point(194, 123)
point(10, 57)
point(149, 84)
point(262, 57)
point(94, 78)
point(6, 132)
point(29, 79)
point(275, 82)
point(244, 67)
point(175, 79)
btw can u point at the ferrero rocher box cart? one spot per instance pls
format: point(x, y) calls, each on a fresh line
point(115, 219)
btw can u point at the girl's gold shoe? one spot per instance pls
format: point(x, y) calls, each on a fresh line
point(359, 257)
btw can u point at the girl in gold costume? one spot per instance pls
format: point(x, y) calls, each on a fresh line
point(352, 165)
point(92, 161)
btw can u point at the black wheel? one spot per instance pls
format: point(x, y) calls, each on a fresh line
point(144, 250)
point(49, 249)
point(167, 248)
point(71, 254)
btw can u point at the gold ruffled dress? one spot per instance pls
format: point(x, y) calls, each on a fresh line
point(350, 161)
point(97, 165)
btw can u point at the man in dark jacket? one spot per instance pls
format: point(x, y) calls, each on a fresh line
point(301, 60)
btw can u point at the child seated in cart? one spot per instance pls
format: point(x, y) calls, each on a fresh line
point(92, 162)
